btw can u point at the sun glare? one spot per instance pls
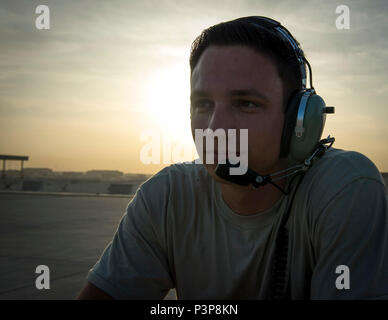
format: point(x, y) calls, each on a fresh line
point(168, 103)
point(168, 92)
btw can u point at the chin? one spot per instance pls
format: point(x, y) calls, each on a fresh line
point(211, 169)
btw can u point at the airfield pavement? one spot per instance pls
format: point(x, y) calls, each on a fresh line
point(65, 233)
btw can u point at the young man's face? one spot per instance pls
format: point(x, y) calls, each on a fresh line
point(235, 87)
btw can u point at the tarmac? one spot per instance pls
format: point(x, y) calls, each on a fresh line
point(65, 232)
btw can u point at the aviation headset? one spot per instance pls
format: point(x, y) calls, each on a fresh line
point(305, 114)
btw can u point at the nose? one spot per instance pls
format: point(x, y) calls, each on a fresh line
point(221, 118)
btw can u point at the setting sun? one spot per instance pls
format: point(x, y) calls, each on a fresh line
point(167, 98)
point(168, 106)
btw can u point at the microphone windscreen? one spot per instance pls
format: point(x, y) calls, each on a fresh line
point(223, 171)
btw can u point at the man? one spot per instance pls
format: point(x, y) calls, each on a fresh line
point(194, 230)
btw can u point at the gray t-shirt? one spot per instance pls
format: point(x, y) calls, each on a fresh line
point(178, 232)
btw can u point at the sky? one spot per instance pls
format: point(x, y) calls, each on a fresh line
point(91, 91)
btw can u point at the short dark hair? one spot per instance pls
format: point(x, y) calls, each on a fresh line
point(242, 32)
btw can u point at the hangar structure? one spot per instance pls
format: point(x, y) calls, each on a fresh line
point(12, 158)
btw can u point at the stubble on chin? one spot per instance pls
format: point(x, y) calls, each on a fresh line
point(211, 169)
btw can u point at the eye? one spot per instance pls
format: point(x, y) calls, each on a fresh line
point(201, 105)
point(247, 104)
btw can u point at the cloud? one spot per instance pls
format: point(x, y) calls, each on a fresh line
point(94, 61)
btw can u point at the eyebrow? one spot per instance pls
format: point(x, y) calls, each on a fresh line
point(233, 93)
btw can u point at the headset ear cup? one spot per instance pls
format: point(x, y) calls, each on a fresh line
point(313, 123)
point(289, 122)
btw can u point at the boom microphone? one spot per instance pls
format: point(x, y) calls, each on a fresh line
point(250, 177)
point(257, 180)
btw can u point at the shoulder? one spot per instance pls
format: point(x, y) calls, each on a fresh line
point(339, 177)
point(176, 174)
point(176, 182)
point(168, 193)
point(339, 168)
point(351, 163)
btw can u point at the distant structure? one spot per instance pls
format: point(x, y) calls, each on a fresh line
point(12, 158)
point(137, 176)
point(105, 174)
point(38, 172)
point(72, 174)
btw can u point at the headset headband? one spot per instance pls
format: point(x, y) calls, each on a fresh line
point(267, 23)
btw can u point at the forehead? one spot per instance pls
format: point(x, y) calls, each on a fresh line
point(234, 67)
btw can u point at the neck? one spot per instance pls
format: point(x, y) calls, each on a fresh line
point(247, 201)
